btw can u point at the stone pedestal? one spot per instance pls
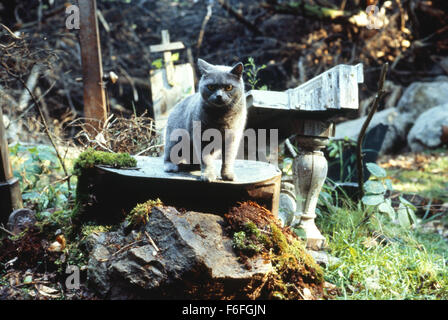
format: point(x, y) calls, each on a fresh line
point(310, 170)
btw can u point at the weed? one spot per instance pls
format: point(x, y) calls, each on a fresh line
point(380, 259)
point(140, 214)
point(252, 71)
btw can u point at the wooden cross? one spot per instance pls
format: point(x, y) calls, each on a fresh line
point(95, 109)
point(10, 196)
point(166, 47)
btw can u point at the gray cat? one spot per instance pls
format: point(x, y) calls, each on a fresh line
point(220, 104)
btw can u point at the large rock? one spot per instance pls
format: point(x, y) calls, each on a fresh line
point(195, 259)
point(427, 130)
point(398, 125)
point(421, 96)
point(416, 99)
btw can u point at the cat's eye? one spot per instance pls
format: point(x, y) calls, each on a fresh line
point(228, 87)
point(211, 87)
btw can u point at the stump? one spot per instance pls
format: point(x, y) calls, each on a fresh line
point(109, 193)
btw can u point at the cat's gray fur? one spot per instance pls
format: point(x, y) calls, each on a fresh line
point(227, 113)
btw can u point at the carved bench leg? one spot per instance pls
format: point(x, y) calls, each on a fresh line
point(310, 171)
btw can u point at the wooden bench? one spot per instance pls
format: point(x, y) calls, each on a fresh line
point(304, 113)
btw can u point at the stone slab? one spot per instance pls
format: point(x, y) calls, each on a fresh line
point(114, 192)
point(246, 171)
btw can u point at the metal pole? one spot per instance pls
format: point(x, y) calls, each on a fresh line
point(10, 196)
point(95, 109)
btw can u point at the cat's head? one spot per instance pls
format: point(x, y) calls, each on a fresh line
point(221, 86)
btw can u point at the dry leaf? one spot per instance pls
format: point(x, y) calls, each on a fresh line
point(59, 245)
point(47, 291)
point(61, 239)
point(307, 295)
point(55, 247)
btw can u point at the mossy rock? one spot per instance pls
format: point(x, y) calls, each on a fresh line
point(256, 232)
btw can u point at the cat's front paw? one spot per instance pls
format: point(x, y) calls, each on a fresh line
point(170, 167)
point(208, 176)
point(228, 176)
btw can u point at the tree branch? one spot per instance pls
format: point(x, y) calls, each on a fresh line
point(374, 106)
point(40, 112)
point(253, 28)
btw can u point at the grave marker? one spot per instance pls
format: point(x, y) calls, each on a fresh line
point(95, 109)
point(171, 83)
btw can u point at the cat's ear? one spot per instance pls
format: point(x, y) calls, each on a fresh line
point(204, 66)
point(237, 69)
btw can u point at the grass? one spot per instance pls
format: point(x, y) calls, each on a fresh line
point(377, 260)
point(430, 181)
point(409, 264)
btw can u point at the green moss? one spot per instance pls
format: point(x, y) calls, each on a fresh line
point(18, 236)
point(251, 228)
point(89, 158)
point(251, 240)
point(89, 229)
point(140, 214)
point(279, 240)
point(244, 244)
point(293, 266)
point(293, 257)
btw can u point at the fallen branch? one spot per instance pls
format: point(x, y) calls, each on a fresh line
point(12, 34)
point(309, 10)
point(150, 148)
point(30, 83)
point(55, 12)
point(204, 23)
point(301, 8)
point(126, 247)
point(253, 28)
point(7, 231)
point(152, 241)
point(31, 283)
point(103, 21)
